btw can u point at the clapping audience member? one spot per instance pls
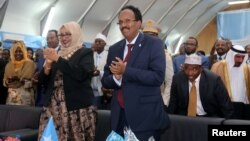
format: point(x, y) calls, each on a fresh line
point(69, 96)
point(135, 69)
point(18, 76)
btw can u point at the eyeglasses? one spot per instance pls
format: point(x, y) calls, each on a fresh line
point(127, 21)
point(67, 35)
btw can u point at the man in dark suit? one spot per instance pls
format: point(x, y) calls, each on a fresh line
point(211, 97)
point(136, 80)
point(190, 46)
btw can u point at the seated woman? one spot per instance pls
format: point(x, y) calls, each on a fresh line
point(17, 76)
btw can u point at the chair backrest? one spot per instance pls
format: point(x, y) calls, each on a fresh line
point(236, 122)
point(239, 109)
point(184, 128)
point(103, 127)
point(247, 112)
point(17, 117)
point(3, 117)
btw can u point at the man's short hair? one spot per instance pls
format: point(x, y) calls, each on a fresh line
point(136, 11)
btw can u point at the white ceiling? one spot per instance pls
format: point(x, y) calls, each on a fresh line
point(178, 19)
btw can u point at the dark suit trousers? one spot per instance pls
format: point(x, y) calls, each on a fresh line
point(122, 123)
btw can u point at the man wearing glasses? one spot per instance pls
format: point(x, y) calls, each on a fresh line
point(135, 69)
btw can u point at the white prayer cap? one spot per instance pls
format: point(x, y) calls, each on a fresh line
point(193, 59)
point(101, 36)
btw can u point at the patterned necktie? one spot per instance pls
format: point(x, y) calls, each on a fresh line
point(192, 102)
point(119, 97)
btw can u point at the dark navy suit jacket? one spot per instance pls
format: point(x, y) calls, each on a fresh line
point(145, 70)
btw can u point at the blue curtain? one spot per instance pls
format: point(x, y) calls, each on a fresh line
point(233, 25)
point(34, 42)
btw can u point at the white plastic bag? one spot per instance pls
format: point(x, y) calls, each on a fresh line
point(129, 135)
point(151, 138)
point(113, 136)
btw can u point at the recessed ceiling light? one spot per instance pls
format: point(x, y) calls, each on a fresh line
point(238, 2)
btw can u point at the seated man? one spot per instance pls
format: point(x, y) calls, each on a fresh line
point(198, 92)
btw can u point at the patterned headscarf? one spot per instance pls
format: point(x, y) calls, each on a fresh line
point(76, 36)
point(18, 64)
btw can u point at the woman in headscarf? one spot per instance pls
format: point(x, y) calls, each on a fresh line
point(17, 76)
point(69, 96)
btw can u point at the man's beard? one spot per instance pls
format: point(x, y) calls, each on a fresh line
point(220, 53)
point(237, 64)
point(191, 52)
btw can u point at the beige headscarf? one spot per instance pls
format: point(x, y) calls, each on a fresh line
point(76, 36)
